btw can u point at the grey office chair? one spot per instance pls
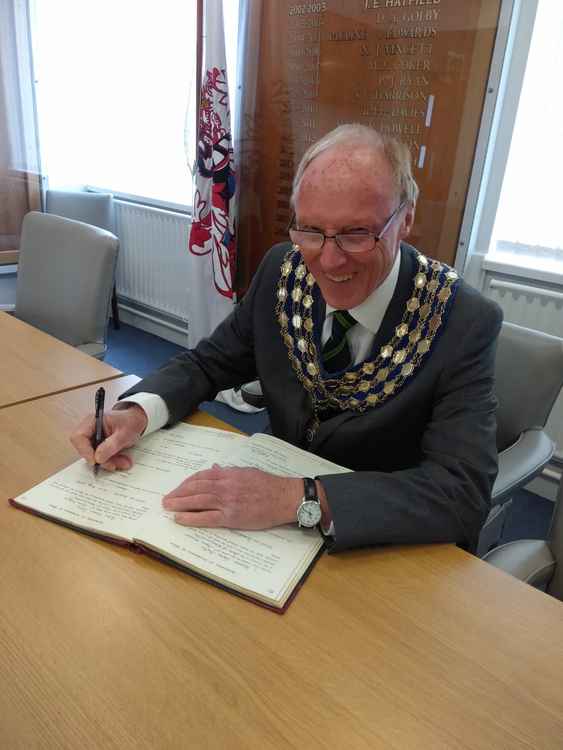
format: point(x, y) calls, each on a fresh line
point(65, 279)
point(91, 208)
point(529, 377)
point(534, 561)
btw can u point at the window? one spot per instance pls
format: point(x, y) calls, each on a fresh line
point(116, 94)
point(527, 228)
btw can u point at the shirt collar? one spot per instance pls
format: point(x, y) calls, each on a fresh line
point(370, 312)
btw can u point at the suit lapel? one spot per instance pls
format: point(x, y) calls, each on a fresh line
point(396, 308)
point(391, 319)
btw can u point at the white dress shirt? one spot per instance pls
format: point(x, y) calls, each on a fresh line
point(369, 315)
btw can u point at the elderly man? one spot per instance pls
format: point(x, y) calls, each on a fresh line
point(369, 354)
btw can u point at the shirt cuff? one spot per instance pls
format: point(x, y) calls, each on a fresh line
point(154, 407)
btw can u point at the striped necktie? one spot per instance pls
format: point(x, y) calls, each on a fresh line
point(336, 353)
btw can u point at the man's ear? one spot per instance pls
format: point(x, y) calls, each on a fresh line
point(407, 222)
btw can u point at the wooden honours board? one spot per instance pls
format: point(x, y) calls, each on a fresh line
point(416, 69)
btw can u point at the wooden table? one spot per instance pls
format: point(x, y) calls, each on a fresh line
point(396, 648)
point(34, 364)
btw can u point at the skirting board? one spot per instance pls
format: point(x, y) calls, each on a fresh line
point(147, 323)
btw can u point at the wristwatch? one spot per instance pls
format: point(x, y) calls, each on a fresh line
point(309, 512)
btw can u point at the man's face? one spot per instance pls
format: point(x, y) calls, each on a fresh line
point(344, 190)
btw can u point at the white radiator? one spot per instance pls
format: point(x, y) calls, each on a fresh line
point(152, 270)
point(533, 306)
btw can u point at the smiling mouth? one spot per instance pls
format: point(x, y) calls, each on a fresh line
point(338, 279)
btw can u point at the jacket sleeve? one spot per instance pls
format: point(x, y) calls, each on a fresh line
point(446, 497)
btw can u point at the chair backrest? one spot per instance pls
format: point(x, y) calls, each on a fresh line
point(555, 541)
point(65, 277)
point(92, 208)
point(529, 376)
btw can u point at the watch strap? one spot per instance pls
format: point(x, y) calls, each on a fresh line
point(310, 489)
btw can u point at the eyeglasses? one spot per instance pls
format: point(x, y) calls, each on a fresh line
point(348, 242)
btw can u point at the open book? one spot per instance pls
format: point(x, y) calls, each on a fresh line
point(266, 566)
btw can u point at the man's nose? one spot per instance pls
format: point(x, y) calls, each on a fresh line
point(332, 256)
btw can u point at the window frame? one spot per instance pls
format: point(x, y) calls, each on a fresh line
point(510, 56)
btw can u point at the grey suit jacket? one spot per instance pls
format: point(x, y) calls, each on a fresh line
point(424, 461)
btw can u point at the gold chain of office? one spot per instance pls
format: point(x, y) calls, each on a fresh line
point(372, 382)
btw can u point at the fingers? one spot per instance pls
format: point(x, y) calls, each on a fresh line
point(192, 502)
point(193, 485)
point(82, 438)
point(121, 462)
point(112, 446)
point(201, 519)
point(236, 498)
point(122, 429)
point(195, 503)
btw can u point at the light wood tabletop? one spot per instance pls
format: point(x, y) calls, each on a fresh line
point(34, 364)
point(394, 647)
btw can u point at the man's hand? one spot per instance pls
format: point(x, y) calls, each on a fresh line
point(236, 498)
point(122, 428)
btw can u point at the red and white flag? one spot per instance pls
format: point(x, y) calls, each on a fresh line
point(212, 241)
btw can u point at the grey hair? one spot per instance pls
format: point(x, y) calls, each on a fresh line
point(398, 156)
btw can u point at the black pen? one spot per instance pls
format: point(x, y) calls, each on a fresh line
point(99, 430)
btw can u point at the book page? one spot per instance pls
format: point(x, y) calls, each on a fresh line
point(114, 503)
point(265, 563)
point(128, 505)
point(103, 504)
point(174, 454)
point(271, 454)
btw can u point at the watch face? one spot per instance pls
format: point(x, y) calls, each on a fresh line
point(309, 513)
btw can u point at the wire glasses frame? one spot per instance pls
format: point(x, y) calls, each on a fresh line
point(348, 242)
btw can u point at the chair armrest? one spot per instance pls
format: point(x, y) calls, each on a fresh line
point(529, 560)
point(520, 463)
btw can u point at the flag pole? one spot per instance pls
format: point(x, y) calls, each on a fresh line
point(199, 63)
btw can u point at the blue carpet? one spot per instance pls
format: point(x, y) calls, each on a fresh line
point(135, 352)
